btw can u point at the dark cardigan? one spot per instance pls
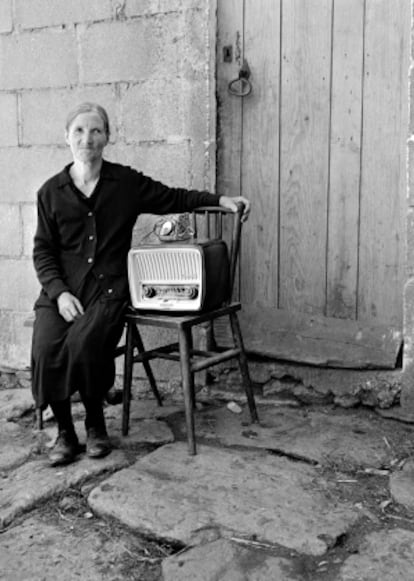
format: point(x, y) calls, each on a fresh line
point(81, 246)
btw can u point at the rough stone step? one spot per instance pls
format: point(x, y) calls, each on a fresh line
point(402, 485)
point(382, 556)
point(347, 439)
point(34, 482)
point(223, 559)
point(249, 493)
point(15, 403)
point(16, 445)
point(36, 550)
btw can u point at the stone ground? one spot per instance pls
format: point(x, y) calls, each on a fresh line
point(311, 493)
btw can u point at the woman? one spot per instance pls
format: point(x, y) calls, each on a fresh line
point(86, 214)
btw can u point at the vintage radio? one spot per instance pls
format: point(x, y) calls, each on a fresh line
point(179, 276)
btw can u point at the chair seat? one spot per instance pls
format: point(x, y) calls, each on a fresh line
point(178, 320)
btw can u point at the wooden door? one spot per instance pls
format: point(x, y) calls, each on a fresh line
point(319, 147)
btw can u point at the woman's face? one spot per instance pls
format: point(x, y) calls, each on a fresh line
point(86, 137)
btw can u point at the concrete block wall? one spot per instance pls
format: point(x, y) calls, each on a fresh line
point(407, 391)
point(148, 62)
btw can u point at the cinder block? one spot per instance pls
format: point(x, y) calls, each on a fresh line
point(407, 392)
point(145, 7)
point(54, 105)
point(411, 94)
point(7, 337)
point(18, 284)
point(11, 242)
point(197, 109)
point(29, 221)
point(196, 28)
point(178, 112)
point(42, 13)
point(15, 340)
point(23, 170)
point(19, 350)
point(47, 58)
point(169, 163)
point(8, 119)
point(411, 168)
point(131, 51)
point(200, 115)
point(203, 167)
point(199, 126)
point(6, 20)
point(410, 242)
point(201, 174)
point(154, 110)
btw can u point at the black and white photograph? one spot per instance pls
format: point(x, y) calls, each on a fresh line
point(207, 290)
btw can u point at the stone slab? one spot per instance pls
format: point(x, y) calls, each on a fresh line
point(35, 481)
point(142, 432)
point(14, 403)
point(177, 497)
point(348, 439)
point(39, 551)
point(226, 561)
point(16, 445)
point(397, 413)
point(383, 556)
point(144, 409)
point(402, 485)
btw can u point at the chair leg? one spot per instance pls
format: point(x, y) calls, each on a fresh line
point(190, 348)
point(147, 367)
point(39, 418)
point(210, 345)
point(244, 368)
point(128, 365)
point(187, 378)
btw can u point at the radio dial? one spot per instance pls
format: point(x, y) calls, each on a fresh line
point(148, 292)
point(193, 292)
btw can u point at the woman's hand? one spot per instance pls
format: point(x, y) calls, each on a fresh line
point(231, 204)
point(69, 307)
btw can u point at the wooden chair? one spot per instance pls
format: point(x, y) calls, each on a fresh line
point(191, 360)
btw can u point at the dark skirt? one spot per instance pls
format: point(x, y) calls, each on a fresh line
point(78, 356)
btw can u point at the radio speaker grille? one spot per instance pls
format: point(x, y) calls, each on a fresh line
point(169, 265)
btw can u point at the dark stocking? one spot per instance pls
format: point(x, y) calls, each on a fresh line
point(94, 413)
point(63, 415)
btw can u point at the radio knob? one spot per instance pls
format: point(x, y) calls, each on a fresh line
point(148, 292)
point(193, 292)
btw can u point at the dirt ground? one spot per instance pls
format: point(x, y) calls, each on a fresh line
point(137, 558)
point(134, 558)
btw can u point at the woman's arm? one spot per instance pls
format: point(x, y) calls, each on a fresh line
point(46, 254)
point(157, 198)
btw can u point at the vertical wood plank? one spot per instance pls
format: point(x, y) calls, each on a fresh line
point(345, 164)
point(229, 108)
point(260, 153)
point(305, 116)
point(383, 177)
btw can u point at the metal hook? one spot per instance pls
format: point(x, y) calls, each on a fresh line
point(241, 87)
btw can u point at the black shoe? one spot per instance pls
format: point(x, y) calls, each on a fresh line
point(65, 449)
point(98, 444)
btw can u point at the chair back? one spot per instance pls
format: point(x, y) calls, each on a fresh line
point(218, 223)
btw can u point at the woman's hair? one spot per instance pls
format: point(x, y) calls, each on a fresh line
point(88, 108)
